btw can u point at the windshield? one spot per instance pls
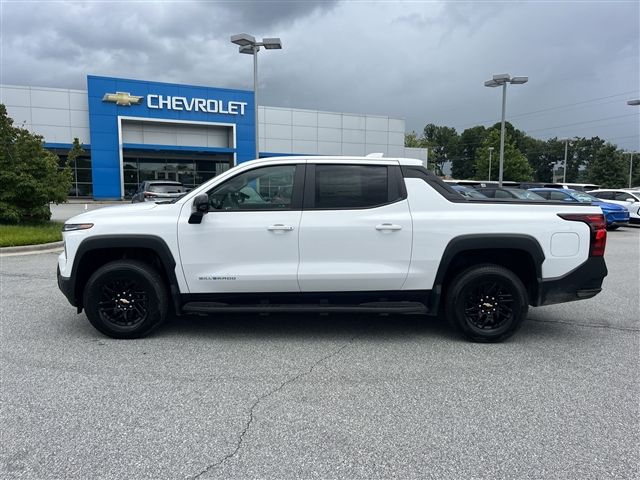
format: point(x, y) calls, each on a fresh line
point(525, 194)
point(166, 188)
point(468, 192)
point(585, 197)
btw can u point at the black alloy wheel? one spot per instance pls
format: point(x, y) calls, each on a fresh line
point(487, 303)
point(125, 299)
point(124, 303)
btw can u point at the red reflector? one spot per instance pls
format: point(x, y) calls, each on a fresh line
point(598, 228)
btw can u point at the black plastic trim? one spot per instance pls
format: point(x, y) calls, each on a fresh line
point(582, 282)
point(453, 196)
point(475, 242)
point(371, 301)
point(108, 242)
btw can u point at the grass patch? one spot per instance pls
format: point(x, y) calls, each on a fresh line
point(31, 234)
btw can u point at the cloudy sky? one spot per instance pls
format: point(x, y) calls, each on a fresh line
point(424, 61)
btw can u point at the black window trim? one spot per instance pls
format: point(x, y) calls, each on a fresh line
point(396, 188)
point(296, 195)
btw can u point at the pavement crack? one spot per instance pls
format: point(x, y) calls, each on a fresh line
point(589, 325)
point(264, 396)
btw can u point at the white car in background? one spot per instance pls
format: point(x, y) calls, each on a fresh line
point(623, 196)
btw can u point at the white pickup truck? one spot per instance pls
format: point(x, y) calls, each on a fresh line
point(330, 234)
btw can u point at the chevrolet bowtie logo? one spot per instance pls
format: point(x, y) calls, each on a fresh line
point(122, 98)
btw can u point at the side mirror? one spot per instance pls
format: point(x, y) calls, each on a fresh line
point(200, 208)
point(630, 199)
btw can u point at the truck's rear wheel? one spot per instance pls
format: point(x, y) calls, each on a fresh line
point(125, 299)
point(487, 303)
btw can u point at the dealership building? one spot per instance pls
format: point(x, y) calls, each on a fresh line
point(134, 130)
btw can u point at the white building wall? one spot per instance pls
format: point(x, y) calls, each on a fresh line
point(60, 115)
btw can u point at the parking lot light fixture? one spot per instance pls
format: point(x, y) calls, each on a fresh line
point(247, 44)
point(502, 80)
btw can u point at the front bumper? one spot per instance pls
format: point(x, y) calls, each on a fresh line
point(582, 283)
point(66, 287)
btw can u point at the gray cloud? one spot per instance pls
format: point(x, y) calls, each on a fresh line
point(425, 62)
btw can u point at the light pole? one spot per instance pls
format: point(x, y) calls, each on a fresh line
point(633, 103)
point(496, 81)
point(490, 150)
point(247, 44)
point(566, 148)
point(630, 166)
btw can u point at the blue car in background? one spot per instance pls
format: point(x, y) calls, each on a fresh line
point(615, 215)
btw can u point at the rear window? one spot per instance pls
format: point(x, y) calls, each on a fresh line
point(351, 186)
point(166, 188)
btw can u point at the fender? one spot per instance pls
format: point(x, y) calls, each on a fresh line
point(109, 242)
point(465, 243)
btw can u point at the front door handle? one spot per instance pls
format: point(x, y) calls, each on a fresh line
point(388, 226)
point(279, 227)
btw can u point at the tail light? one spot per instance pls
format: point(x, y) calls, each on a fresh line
point(598, 228)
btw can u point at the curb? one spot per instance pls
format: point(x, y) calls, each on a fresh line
point(32, 248)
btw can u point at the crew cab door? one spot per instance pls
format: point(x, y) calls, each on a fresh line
point(248, 240)
point(356, 229)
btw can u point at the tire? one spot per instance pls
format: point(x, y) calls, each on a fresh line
point(480, 318)
point(613, 227)
point(125, 299)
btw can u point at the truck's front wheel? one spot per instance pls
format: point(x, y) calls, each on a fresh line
point(487, 303)
point(125, 299)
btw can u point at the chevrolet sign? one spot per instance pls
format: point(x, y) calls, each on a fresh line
point(124, 99)
point(195, 104)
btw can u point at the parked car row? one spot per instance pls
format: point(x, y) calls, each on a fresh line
point(620, 208)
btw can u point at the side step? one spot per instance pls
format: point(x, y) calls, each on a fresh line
point(369, 307)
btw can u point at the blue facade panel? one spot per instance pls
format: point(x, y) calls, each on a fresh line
point(160, 101)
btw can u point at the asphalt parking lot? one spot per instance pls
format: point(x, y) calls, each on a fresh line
point(322, 397)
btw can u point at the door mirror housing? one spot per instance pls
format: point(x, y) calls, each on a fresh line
point(200, 208)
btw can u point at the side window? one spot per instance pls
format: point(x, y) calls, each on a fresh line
point(351, 186)
point(604, 195)
point(560, 196)
point(266, 188)
point(622, 196)
point(503, 194)
point(543, 194)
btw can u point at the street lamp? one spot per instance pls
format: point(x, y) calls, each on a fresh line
point(490, 150)
point(566, 148)
point(634, 103)
point(247, 44)
point(496, 81)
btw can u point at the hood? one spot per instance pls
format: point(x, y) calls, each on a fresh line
point(112, 211)
point(612, 207)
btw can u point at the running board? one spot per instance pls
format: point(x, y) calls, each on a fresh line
point(369, 307)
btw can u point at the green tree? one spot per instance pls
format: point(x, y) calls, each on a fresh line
point(29, 175)
point(463, 164)
point(516, 165)
point(608, 169)
point(412, 140)
point(442, 143)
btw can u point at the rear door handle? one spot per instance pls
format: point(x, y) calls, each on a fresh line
point(388, 226)
point(279, 227)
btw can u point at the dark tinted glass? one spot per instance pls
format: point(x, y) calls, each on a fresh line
point(166, 188)
point(351, 186)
